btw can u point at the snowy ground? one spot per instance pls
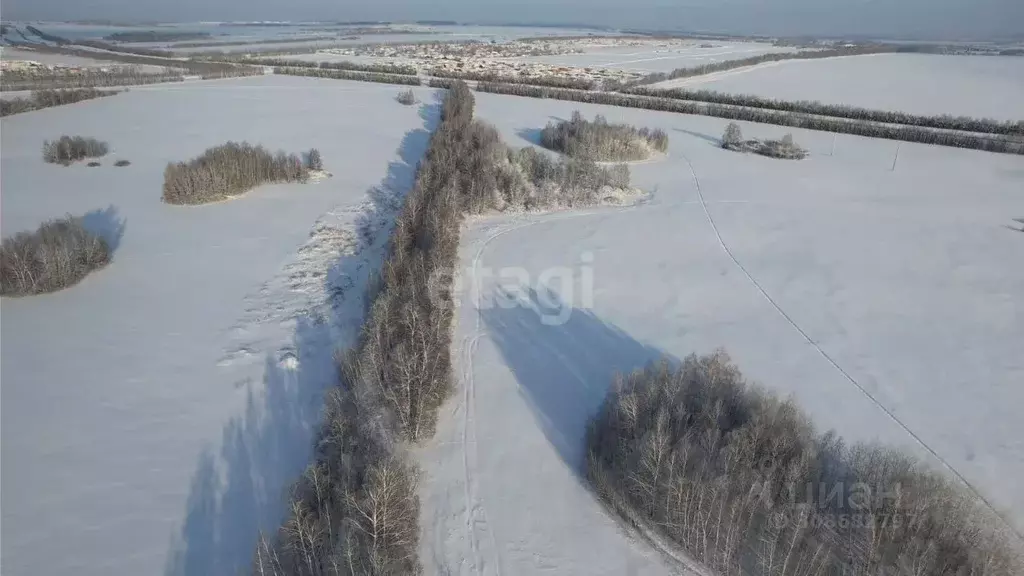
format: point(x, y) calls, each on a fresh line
point(659, 58)
point(857, 289)
point(980, 86)
point(153, 415)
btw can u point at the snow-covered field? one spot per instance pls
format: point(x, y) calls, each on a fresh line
point(154, 414)
point(659, 58)
point(856, 289)
point(980, 86)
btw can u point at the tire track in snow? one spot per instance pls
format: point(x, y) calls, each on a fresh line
point(917, 439)
point(475, 509)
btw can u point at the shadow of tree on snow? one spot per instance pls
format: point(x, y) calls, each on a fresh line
point(243, 489)
point(564, 370)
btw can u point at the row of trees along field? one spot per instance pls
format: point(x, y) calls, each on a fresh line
point(943, 121)
point(350, 75)
point(355, 510)
point(551, 81)
point(383, 68)
point(991, 143)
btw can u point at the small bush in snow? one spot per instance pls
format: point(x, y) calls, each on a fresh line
point(733, 136)
point(229, 170)
point(93, 164)
point(313, 160)
point(732, 139)
point(121, 163)
point(742, 481)
point(601, 141)
point(68, 149)
point(407, 97)
point(57, 255)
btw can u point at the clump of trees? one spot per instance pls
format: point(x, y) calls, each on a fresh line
point(49, 98)
point(355, 509)
point(944, 122)
point(599, 140)
point(122, 163)
point(229, 170)
point(68, 149)
point(350, 75)
point(956, 139)
point(406, 97)
point(378, 67)
point(742, 481)
point(786, 148)
point(55, 256)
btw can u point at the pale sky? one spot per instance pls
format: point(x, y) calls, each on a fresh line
point(946, 19)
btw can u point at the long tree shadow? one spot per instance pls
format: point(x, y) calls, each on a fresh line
point(107, 224)
point(716, 142)
point(564, 359)
point(242, 489)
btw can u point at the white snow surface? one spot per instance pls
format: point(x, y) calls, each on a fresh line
point(979, 86)
point(887, 303)
point(154, 415)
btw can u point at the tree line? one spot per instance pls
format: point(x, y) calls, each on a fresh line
point(82, 78)
point(355, 509)
point(550, 81)
point(741, 480)
point(378, 67)
point(856, 127)
point(943, 121)
point(350, 75)
point(49, 98)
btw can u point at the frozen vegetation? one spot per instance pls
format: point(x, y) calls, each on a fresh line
point(879, 299)
point(67, 149)
point(601, 141)
point(57, 255)
point(226, 171)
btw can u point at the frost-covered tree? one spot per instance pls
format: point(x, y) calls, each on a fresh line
point(733, 136)
point(313, 160)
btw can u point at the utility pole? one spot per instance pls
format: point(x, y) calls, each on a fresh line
point(897, 157)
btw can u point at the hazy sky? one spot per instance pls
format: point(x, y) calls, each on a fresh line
point(912, 18)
